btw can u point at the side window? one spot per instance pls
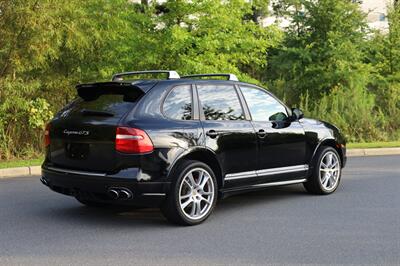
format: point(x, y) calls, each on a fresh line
point(263, 107)
point(178, 104)
point(220, 102)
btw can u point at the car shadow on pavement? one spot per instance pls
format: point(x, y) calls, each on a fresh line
point(117, 216)
point(150, 217)
point(263, 196)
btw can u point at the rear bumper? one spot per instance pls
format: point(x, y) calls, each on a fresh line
point(96, 187)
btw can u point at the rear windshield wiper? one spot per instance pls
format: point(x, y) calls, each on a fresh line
point(96, 113)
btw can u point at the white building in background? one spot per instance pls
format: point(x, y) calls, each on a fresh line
point(376, 11)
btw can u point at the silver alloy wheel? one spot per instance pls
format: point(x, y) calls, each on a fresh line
point(329, 171)
point(196, 193)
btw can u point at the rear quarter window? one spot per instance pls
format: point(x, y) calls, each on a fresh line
point(178, 104)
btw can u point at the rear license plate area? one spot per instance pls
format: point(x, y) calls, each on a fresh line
point(77, 151)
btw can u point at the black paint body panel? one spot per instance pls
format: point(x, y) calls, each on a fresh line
point(236, 148)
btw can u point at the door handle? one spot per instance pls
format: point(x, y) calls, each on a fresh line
point(212, 133)
point(261, 133)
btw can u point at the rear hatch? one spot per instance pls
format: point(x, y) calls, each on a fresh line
point(83, 133)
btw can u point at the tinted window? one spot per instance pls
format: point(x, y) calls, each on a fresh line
point(178, 104)
point(220, 102)
point(113, 103)
point(101, 103)
point(263, 107)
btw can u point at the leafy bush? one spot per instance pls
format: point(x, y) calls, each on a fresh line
point(21, 120)
point(352, 110)
point(327, 60)
point(333, 66)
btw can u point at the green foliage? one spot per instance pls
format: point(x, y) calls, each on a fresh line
point(20, 128)
point(48, 46)
point(326, 60)
point(332, 65)
point(21, 163)
point(39, 113)
point(376, 144)
point(206, 36)
point(321, 49)
point(383, 53)
point(353, 111)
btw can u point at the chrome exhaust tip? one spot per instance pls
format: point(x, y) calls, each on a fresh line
point(44, 181)
point(125, 194)
point(113, 194)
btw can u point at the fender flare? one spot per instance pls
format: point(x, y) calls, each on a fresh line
point(189, 151)
point(320, 143)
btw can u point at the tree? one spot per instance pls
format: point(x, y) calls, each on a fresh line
point(48, 46)
point(383, 54)
point(321, 66)
point(322, 47)
point(208, 36)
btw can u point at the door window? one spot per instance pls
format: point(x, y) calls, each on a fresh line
point(263, 107)
point(220, 102)
point(178, 104)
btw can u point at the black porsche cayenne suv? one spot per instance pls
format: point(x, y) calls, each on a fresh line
point(183, 142)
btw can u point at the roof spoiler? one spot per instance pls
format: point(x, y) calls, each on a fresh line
point(92, 91)
point(171, 74)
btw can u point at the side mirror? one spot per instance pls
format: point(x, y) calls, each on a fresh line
point(297, 114)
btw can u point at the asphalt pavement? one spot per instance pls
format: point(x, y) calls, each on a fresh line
point(358, 224)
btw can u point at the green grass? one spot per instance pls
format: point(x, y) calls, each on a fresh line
point(20, 163)
point(382, 144)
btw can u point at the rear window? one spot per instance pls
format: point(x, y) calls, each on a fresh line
point(114, 104)
point(105, 101)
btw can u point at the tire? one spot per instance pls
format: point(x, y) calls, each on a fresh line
point(326, 174)
point(193, 194)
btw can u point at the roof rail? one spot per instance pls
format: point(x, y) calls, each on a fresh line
point(171, 74)
point(228, 76)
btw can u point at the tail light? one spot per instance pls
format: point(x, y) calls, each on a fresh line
point(47, 135)
point(132, 140)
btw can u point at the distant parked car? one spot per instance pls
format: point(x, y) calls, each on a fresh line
point(183, 142)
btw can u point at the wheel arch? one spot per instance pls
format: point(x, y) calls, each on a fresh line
point(330, 142)
point(202, 155)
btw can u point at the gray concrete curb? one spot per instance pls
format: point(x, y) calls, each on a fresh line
point(20, 171)
point(373, 152)
point(36, 170)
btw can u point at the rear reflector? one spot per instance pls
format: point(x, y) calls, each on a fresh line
point(132, 140)
point(47, 135)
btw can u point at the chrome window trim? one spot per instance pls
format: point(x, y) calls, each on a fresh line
point(266, 172)
point(68, 171)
